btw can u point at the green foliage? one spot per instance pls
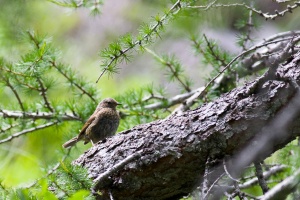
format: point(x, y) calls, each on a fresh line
point(35, 106)
point(70, 182)
point(212, 54)
point(42, 95)
point(134, 106)
point(217, 58)
point(120, 50)
point(174, 70)
point(93, 5)
point(34, 76)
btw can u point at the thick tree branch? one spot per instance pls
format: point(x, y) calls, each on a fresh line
point(174, 150)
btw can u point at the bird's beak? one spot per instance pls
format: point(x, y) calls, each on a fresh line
point(119, 103)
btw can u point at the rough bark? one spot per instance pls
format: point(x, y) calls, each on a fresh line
point(170, 154)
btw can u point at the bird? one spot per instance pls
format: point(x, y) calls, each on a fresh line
point(102, 123)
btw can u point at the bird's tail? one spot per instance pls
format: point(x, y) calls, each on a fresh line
point(71, 142)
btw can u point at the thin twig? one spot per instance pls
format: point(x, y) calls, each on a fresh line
point(284, 188)
point(204, 185)
point(213, 184)
point(260, 177)
point(267, 174)
point(110, 195)
point(145, 37)
point(53, 63)
point(11, 126)
point(249, 28)
point(115, 168)
point(6, 80)
point(171, 67)
point(259, 12)
point(43, 93)
point(173, 101)
point(38, 115)
point(27, 131)
point(197, 92)
point(227, 172)
point(190, 100)
point(213, 53)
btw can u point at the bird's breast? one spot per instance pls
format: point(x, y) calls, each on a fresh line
point(105, 124)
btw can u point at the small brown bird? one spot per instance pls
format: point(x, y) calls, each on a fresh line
point(102, 123)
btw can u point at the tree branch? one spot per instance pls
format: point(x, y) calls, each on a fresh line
point(176, 7)
point(267, 174)
point(282, 56)
point(174, 150)
point(283, 189)
point(249, 65)
point(259, 12)
point(38, 115)
point(71, 80)
point(6, 80)
point(27, 131)
point(260, 177)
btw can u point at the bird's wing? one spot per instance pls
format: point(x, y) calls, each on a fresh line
point(85, 126)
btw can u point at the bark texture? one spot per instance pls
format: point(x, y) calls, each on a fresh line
point(173, 151)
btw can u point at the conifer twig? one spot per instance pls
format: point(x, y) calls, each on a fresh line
point(38, 115)
point(213, 53)
point(168, 64)
point(43, 93)
point(188, 102)
point(6, 80)
point(173, 100)
point(15, 135)
point(195, 93)
point(82, 89)
point(11, 126)
point(122, 52)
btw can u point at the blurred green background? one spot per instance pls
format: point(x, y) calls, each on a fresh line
point(80, 36)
